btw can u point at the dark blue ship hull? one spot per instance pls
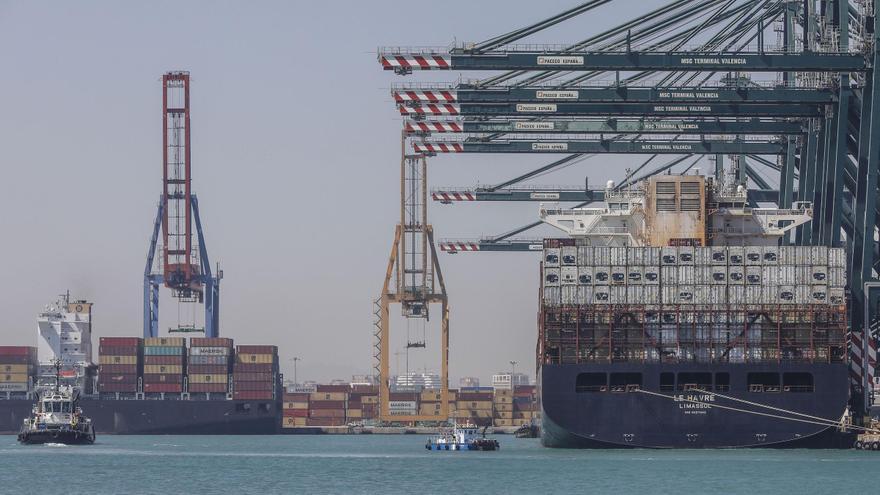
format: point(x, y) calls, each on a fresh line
point(616, 418)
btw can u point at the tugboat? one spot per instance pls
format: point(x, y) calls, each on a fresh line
point(56, 418)
point(462, 437)
point(528, 430)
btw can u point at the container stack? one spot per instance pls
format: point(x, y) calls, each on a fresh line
point(120, 364)
point(369, 399)
point(255, 372)
point(525, 405)
point(327, 405)
point(164, 364)
point(403, 403)
point(686, 275)
point(474, 407)
point(296, 410)
point(208, 365)
point(502, 408)
point(429, 402)
point(18, 369)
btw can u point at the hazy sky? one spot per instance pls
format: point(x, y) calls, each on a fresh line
point(295, 157)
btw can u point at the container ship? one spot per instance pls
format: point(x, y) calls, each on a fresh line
point(144, 386)
point(676, 316)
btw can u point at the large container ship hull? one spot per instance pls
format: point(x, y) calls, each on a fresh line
point(632, 419)
point(163, 417)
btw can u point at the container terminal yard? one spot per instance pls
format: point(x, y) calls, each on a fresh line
point(722, 292)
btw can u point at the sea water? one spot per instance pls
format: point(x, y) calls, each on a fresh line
point(379, 464)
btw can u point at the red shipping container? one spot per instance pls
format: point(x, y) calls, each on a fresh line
point(333, 388)
point(296, 397)
point(251, 395)
point(474, 396)
point(131, 369)
point(327, 404)
point(253, 377)
point(326, 413)
point(207, 369)
point(119, 378)
point(17, 350)
point(162, 378)
point(117, 387)
point(163, 387)
point(252, 386)
point(296, 413)
point(256, 349)
point(115, 350)
point(210, 342)
point(354, 404)
point(365, 389)
point(122, 341)
point(406, 396)
point(254, 368)
point(207, 387)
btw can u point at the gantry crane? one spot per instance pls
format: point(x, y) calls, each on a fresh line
point(818, 118)
point(184, 266)
point(413, 279)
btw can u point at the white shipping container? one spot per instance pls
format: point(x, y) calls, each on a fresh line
point(651, 256)
point(602, 275)
point(601, 294)
point(551, 257)
point(570, 295)
point(601, 255)
point(718, 255)
point(669, 256)
point(552, 296)
point(685, 294)
point(836, 277)
point(819, 255)
point(753, 255)
point(718, 295)
point(837, 257)
point(618, 275)
point(703, 274)
point(736, 275)
point(736, 294)
point(402, 405)
point(652, 294)
point(701, 294)
point(585, 294)
point(686, 275)
point(770, 275)
point(635, 275)
point(736, 255)
point(618, 255)
point(819, 294)
point(652, 275)
point(836, 295)
point(670, 294)
point(585, 255)
point(754, 294)
point(686, 255)
point(585, 275)
point(718, 275)
point(569, 256)
point(702, 256)
point(635, 294)
point(770, 255)
point(618, 294)
point(786, 255)
point(785, 294)
point(551, 277)
point(803, 255)
point(786, 275)
point(635, 256)
point(802, 294)
point(819, 274)
point(569, 275)
point(803, 274)
point(753, 275)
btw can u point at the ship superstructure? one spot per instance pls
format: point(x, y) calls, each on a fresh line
point(64, 333)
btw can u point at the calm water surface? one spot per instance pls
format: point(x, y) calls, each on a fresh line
point(400, 464)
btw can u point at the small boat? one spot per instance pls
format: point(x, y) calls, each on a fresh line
point(528, 430)
point(57, 418)
point(462, 437)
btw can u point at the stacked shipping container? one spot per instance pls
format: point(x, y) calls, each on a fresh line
point(164, 364)
point(255, 372)
point(327, 405)
point(525, 405)
point(208, 365)
point(474, 407)
point(120, 364)
point(18, 368)
point(296, 410)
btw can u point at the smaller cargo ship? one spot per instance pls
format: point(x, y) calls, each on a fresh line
point(462, 437)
